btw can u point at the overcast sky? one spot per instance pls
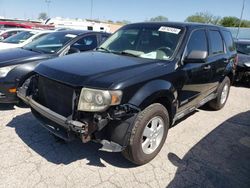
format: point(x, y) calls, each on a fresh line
point(132, 10)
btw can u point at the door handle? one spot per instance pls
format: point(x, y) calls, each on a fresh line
point(207, 67)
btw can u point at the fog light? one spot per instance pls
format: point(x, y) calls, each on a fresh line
point(12, 90)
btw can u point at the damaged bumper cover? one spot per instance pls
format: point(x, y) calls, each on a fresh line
point(67, 124)
point(117, 129)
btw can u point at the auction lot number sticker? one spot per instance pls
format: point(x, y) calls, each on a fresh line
point(169, 29)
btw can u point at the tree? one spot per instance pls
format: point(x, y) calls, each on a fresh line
point(43, 16)
point(230, 21)
point(159, 19)
point(124, 22)
point(203, 17)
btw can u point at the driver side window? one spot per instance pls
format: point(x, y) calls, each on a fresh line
point(86, 43)
point(197, 42)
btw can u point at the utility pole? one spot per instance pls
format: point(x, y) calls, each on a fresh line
point(91, 9)
point(48, 6)
point(241, 15)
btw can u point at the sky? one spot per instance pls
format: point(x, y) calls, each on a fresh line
point(117, 10)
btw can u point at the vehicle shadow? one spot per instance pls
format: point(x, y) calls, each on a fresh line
point(5, 107)
point(245, 84)
point(59, 152)
point(221, 159)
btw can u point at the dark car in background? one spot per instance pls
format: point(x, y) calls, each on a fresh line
point(243, 67)
point(17, 64)
point(131, 90)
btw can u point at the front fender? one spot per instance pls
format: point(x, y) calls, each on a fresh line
point(153, 91)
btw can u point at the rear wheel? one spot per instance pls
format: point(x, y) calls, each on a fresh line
point(222, 95)
point(148, 135)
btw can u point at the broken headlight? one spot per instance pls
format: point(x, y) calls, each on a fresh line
point(93, 100)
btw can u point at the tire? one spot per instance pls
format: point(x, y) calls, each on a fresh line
point(135, 152)
point(220, 101)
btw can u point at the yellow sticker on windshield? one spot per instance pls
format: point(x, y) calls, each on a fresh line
point(169, 29)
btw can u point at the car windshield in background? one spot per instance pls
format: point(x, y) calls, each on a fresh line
point(20, 37)
point(244, 33)
point(152, 43)
point(50, 43)
point(243, 48)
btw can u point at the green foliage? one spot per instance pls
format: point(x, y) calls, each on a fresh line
point(228, 21)
point(123, 22)
point(203, 17)
point(159, 19)
point(42, 16)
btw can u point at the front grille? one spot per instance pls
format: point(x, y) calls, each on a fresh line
point(55, 96)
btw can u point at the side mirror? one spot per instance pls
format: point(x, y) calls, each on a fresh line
point(196, 56)
point(1, 38)
point(73, 50)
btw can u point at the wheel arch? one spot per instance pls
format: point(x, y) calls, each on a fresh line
point(157, 91)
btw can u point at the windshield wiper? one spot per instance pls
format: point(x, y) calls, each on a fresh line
point(128, 53)
point(104, 49)
point(33, 50)
point(242, 52)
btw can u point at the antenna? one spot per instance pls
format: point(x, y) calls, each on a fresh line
point(242, 10)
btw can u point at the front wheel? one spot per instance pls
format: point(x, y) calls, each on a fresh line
point(222, 95)
point(148, 134)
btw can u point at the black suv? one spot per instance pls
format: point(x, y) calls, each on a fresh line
point(132, 89)
point(243, 66)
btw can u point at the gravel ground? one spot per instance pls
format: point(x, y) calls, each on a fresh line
point(207, 149)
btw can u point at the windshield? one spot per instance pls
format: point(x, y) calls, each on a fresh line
point(50, 43)
point(243, 48)
point(159, 42)
point(20, 37)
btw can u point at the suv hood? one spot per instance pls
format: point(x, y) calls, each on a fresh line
point(97, 69)
point(19, 56)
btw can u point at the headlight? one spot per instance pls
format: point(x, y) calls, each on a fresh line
point(5, 70)
point(247, 64)
point(93, 100)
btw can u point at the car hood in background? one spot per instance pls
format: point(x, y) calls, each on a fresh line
point(97, 69)
point(4, 46)
point(19, 56)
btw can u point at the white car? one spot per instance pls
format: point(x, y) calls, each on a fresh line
point(5, 33)
point(22, 38)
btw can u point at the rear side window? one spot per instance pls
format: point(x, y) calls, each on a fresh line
point(229, 40)
point(197, 42)
point(216, 42)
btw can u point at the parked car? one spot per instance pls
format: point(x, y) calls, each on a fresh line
point(4, 34)
point(243, 67)
point(132, 89)
point(22, 38)
point(17, 64)
point(10, 24)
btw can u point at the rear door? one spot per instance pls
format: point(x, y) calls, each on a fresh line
point(217, 56)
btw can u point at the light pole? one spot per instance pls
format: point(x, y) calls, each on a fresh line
point(91, 9)
point(48, 6)
point(241, 15)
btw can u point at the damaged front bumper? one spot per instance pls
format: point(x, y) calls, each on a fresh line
point(112, 131)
